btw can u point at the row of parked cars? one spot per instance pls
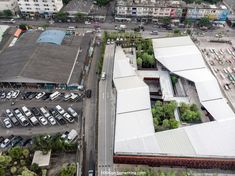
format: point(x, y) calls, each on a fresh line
point(39, 116)
point(13, 141)
point(13, 94)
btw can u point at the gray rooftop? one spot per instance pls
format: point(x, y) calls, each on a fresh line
point(29, 61)
point(78, 6)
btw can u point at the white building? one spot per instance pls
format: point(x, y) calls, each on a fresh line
point(45, 7)
point(134, 133)
point(9, 5)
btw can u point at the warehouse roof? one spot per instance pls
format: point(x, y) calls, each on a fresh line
point(33, 62)
point(202, 140)
point(52, 36)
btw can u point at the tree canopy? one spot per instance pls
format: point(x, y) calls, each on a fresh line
point(189, 113)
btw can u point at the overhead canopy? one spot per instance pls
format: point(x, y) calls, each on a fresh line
point(51, 36)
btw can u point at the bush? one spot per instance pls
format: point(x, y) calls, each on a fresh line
point(189, 113)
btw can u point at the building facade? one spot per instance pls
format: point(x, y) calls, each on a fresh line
point(9, 5)
point(42, 7)
point(174, 9)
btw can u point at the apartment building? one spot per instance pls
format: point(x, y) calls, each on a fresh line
point(39, 7)
point(153, 9)
point(9, 5)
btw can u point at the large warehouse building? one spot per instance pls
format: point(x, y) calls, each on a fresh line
point(46, 59)
point(206, 145)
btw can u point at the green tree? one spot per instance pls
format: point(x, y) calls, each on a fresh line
point(165, 123)
point(79, 16)
point(62, 16)
point(28, 173)
point(2, 170)
point(25, 153)
point(173, 123)
point(68, 170)
point(188, 22)
point(35, 168)
point(13, 170)
point(204, 22)
point(23, 26)
point(165, 20)
point(139, 62)
point(174, 80)
point(7, 13)
point(176, 31)
point(102, 2)
point(15, 152)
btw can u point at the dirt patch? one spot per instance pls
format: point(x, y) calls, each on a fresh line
point(58, 160)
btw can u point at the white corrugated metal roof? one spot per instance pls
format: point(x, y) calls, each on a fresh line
point(185, 60)
point(133, 124)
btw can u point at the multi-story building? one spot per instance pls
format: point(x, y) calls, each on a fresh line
point(213, 12)
point(149, 9)
point(42, 7)
point(9, 5)
point(153, 9)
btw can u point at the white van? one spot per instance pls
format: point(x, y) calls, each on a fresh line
point(103, 76)
point(54, 95)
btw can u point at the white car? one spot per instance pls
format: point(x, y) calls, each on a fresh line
point(5, 143)
point(15, 94)
point(9, 94)
point(7, 123)
point(72, 112)
point(60, 109)
point(43, 120)
point(108, 41)
point(18, 113)
point(44, 112)
point(52, 120)
point(23, 120)
point(40, 95)
point(26, 111)
point(9, 113)
point(87, 22)
point(68, 117)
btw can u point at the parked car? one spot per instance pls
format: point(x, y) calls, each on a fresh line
point(60, 109)
point(45, 112)
point(9, 94)
point(16, 141)
point(7, 123)
point(25, 142)
point(67, 96)
point(3, 95)
point(26, 111)
point(17, 112)
point(64, 135)
point(52, 120)
point(35, 112)
point(34, 120)
point(5, 143)
point(40, 95)
point(72, 112)
point(32, 95)
point(15, 94)
point(1, 139)
point(68, 117)
point(71, 136)
point(23, 120)
point(43, 120)
point(12, 117)
point(88, 93)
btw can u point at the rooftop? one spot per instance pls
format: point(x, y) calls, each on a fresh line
point(43, 160)
point(29, 61)
point(52, 36)
point(78, 6)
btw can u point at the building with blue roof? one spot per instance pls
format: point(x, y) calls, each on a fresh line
point(52, 36)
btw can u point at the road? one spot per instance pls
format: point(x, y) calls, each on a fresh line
point(90, 114)
point(106, 114)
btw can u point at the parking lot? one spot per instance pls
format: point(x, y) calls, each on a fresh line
point(29, 112)
point(221, 59)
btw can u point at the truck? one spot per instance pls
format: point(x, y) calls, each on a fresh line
point(122, 27)
point(11, 21)
point(71, 136)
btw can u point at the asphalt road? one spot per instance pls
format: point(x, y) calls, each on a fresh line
point(90, 114)
point(106, 114)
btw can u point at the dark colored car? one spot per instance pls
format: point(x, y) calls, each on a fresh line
point(88, 93)
point(16, 141)
point(14, 121)
point(32, 95)
point(46, 96)
point(1, 139)
point(35, 112)
point(25, 142)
